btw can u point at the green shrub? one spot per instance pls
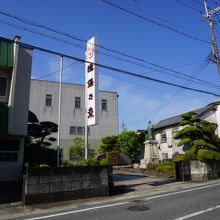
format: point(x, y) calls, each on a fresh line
point(151, 166)
point(90, 161)
point(66, 163)
point(104, 162)
point(165, 168)
point(205, 155)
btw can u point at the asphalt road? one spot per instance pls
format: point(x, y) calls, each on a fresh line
point(194, 203)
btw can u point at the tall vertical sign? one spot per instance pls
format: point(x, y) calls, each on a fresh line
point(91, 84)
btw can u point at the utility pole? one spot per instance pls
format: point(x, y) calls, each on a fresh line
point(208, 17)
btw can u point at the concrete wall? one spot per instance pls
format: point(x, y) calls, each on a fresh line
point(19, 92)
point(197, 171)
point(71, 116)
point(66, 183)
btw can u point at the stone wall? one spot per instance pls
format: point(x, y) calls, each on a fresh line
point(66, 183)
point(197, 171)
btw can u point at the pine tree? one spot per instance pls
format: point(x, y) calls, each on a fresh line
point(198, 138)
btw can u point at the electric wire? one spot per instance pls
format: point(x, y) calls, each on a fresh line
point(213, 2)
point(159, 18)
point(202, 82)
point(176, 94)
point(64, 41)
point(189, 6)
point(155, 22)
point(51, 73)
point(114, 69)
point(199, 3)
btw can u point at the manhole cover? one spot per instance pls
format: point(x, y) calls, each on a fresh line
point(138, 208)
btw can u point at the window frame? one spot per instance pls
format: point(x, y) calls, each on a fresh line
point(163, 139)
point(77, 100)
point(79, 133)
point(8, 156)
point(70, 130)
point(104, 103)
point(47, 98)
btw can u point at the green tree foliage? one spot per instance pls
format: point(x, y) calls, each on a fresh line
point(130, 143)
point(38, 140)
point(39, 132)
point(199, 137)
point(108, 144)
point(76, 152)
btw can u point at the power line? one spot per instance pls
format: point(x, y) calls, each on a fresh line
point(155, 22)
point(51, 73)
point(114, 69)
point(179, 74)
point(176, 94)
point(189, 6)
point(198, 2)
point(159, 18)
point(77, 38)
point(213, 2)
point(133, 83)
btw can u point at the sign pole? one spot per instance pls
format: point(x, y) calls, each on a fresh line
point(91, 89)
point(59, 112)
point(86, 135)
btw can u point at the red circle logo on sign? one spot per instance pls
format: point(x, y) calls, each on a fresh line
point(90, 52)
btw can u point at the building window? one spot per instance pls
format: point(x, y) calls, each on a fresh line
point(9, 145)
point(163, 137)
point(8, 156)
point(80, 130)
point(104, 104)
point(72, 130)
point(77, 102)
point(48, 100)
point(3, 86)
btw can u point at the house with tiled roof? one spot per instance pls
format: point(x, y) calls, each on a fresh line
point(167, 129)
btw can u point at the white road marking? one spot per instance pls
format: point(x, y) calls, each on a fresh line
point(198, 213)
point(121, 203)
point(77, 211)
point(183, 191)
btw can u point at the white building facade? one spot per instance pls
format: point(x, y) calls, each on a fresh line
point(167, 129)
point(15, 76)
point(44, 97)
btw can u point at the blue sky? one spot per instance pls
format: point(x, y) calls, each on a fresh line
point(139, 100)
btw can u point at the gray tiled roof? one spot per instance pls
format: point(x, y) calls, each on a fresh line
point(176, 119)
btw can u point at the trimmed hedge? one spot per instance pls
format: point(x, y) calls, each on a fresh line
point(163, 168)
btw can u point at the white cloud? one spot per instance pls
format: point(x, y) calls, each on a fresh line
point(137, 107)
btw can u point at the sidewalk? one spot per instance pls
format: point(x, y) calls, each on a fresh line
point(128, 186)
